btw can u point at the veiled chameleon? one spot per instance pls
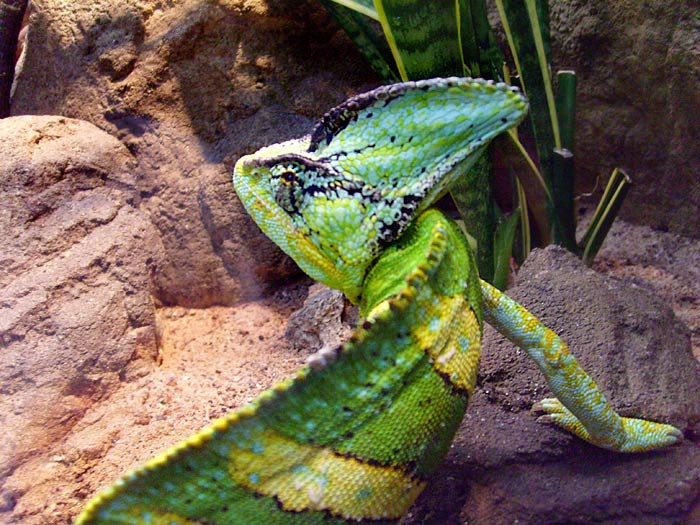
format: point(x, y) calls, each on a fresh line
point(354, 436)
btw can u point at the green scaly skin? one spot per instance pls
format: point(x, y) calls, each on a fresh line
point(354, 436)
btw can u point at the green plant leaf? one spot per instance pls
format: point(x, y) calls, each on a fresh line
point(563, 162)
point(482, 56)
point(364, 7)
point(566, 107)
point(503, 247)
point(526, 24)
point(524, 238)
point(608, 208)
point(472, 194)
point(563, 191)
point(423, 36)
point(361, 25)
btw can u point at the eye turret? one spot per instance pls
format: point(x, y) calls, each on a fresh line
point(287, 187)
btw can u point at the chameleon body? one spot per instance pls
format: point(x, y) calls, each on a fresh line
point(354, 436)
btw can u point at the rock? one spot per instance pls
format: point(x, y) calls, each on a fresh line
point(326, 320)
point(506, 468)
point(663, 263)
point(76, 315)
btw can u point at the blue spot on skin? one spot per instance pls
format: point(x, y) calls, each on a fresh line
point(253, 478)
point(257, 448)
point(434, 324)
point(463, 343)
point(364, 493)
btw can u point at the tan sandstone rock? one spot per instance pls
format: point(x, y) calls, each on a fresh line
point(77, 256)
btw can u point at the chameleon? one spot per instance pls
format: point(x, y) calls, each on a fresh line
point(355, 435)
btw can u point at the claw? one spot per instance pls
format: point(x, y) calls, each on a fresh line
point(549, 404)
point(675, 434)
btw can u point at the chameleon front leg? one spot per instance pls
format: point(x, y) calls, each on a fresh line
point(580, 406)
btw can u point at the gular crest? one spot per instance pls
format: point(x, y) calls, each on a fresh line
point(333, 200)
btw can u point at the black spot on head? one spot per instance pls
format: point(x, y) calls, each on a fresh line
point(366, 324)
point(389, 232)
point(504, 119)
point(393, 138)
point(349, 435)
point(347, 410)
point(411, 200)
point(224, 508)
point(425, 402)
point(369, 115)
point(312, 190)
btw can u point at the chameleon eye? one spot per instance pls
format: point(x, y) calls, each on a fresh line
point(289, 177)
point(287, 189)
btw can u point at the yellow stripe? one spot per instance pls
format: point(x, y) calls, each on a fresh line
point(448, 330)
point(303, 477)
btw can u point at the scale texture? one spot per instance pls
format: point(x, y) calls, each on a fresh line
point(354, 436)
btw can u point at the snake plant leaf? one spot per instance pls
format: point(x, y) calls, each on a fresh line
point(605, 213)
point(526, 24)
point(359, 20)
point(424, 36)
point(503, 246)
point(566, 107)
point(476, 208)
point(563, 191)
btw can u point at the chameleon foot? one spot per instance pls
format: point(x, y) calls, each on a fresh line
point(634, 435)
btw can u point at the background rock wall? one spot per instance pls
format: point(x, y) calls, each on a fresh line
point(637, 65)
point(188, 86)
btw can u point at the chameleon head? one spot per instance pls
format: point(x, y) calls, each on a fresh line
point(334, 200)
